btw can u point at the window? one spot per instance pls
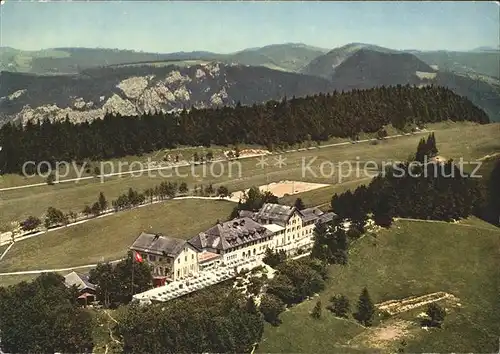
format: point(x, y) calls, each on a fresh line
point(185, 258)
point(178, 273)
point(152, 258)
point(192, 256)
point(179, 260)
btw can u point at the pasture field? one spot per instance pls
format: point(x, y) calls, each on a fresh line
point(109, 238)
point(454, 140)
point(409, 259)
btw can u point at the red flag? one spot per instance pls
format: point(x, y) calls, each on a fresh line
point(138, 257)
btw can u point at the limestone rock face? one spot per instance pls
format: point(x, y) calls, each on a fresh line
point(134, 90)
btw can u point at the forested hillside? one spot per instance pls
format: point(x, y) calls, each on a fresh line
point(272, 124)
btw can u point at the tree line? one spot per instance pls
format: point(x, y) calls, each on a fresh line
point(165, 190)
point(272, 124)
point(432, 190)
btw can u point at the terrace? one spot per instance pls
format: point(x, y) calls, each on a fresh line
point(204, 279)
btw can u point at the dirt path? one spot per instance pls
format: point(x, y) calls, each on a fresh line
point(450, 223)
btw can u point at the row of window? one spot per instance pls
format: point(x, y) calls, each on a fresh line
point(185, 271)
point(185, 258)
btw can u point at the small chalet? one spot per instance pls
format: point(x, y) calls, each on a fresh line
point(86, 290)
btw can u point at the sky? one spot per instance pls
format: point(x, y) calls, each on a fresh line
point(225, 27)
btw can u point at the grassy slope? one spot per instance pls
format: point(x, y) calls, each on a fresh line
point(110, 237)
point(478, 141)
point(412, 258)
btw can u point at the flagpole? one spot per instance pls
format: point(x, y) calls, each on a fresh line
point(132, 285)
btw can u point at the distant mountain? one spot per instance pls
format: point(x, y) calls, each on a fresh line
point(96, 80)
point(366, 68)
point(325, 65)
point(486, 49)
point(482, 62)
point(286, 57)
point(132, 90)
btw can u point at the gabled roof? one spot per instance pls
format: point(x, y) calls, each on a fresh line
point(310, 214)
point(326, 217)
point(158, 244)
point(78, 279)
point(246, 214)
point(275, 212)
point(230, 234)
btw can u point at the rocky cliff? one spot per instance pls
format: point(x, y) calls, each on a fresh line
point(137, 89)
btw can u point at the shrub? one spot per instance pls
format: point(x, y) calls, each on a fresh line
point(316, 311)
point(340, 306)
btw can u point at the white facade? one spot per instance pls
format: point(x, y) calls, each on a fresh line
point(254, 249)
point(297, 233)
point(186, 263)
point(287, 229)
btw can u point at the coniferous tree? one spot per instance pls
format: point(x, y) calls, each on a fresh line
point(436, 315)
point(299, 204)
point(183, 188)
point(366, 309)
point(340, 306)
point(310, 118)
point(103, 203)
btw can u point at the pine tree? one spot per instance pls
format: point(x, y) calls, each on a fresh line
point(299, 204)
point(431, 146)
point(366, 309)
point(103, 203)
point(421, 150)
point(340, 306)
point(436, 315)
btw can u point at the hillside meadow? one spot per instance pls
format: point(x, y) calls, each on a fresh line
point(109, 238)
point(409, 259)
point(466, 140)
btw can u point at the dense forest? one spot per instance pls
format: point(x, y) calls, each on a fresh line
point(417, 189)
point(433, 191)
point(316, 118)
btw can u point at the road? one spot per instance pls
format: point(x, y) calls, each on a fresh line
point(6, 238)
point(115, 261)
point(26, 272)
point(189, 164)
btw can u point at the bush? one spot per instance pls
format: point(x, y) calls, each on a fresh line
point(30, 223)
point(316, 312)
point(271, 307)
point(340, 306)
point(255, 285)
point(273, 259)
point(50, 179)
point(436, 316)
